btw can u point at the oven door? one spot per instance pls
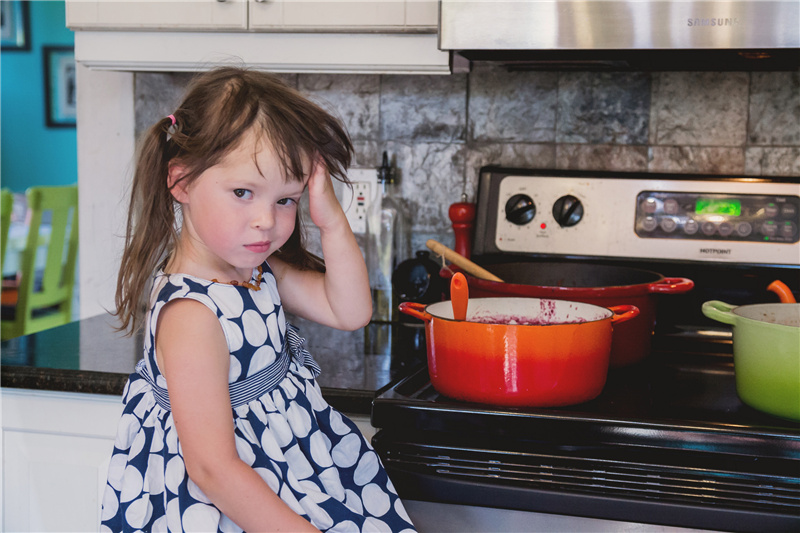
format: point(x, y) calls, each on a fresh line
point(454, 518)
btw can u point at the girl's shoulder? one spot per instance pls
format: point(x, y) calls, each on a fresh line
point(168, 287)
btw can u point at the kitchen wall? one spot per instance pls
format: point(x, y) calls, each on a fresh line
point(439, 130)
point(31, 153)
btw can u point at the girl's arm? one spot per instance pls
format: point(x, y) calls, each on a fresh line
point(194, 358)
point(340, 298)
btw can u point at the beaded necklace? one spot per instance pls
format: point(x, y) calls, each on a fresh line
point(252, 286)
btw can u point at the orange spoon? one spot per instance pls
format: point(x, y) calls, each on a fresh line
point(783, 292)
point(459, 295)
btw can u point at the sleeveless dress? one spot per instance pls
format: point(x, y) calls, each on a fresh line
point(314, 458)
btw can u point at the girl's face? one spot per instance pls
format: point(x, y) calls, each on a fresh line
point(236, 214)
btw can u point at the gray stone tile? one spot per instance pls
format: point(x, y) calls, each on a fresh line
point(367, 154)
point(429, 178)
point(290, 79)
point(774, 117)
point(445, 236)
point(519, 155)
point(700, 108)
point(156, 95)
point(603, 107)
point(693, 123)
point(773, 161)
point(424, 108)
point(512, 106)
point(601, 157)
point(355, 99)
point(690, 159)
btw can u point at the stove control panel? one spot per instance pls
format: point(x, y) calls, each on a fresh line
point(717, 217)
point(638, 216)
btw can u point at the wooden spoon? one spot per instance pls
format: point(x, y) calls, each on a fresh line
point(461, 261)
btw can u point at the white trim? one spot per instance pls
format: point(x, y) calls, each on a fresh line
point(342, 53)
point(105, 162)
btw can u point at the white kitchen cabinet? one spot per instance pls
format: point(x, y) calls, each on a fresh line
point(255, 15)
point(308, 36)
point(56, 449)
point(288, 15)
point(423, 14)
point(228, 15)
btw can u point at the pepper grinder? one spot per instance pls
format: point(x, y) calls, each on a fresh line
point(462, 215)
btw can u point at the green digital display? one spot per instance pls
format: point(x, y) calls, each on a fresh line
point(718, 207)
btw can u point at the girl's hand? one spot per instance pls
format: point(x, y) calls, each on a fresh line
point(339, 298)
point(324, 207)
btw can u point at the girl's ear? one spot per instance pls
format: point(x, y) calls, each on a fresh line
point(177, 185)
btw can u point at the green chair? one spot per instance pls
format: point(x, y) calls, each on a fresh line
point(5, 221)
point(45, 296)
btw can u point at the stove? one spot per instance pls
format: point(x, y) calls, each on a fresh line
point(668, 441)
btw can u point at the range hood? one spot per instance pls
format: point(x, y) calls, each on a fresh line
point(624, 35)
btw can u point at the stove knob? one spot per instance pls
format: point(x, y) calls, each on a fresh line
point(567, 211)
point(520, 209)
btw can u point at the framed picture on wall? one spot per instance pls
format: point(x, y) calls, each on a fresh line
point(60, 90)
point(15, 27)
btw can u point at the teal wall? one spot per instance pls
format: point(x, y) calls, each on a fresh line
point(30, 152)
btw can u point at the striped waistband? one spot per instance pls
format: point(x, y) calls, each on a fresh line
point(255, 386)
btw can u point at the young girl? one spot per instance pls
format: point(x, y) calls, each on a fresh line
point(224, 427)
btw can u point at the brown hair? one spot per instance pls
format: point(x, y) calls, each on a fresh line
point(219, 108)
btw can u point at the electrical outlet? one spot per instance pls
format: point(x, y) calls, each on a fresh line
point(358, 214)
point(356, 203)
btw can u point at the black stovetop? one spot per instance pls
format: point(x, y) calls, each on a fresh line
point(682, 388)
point(667, 441)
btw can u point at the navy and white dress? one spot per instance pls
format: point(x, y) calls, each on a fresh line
point(314, 458)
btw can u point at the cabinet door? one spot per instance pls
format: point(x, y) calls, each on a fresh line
point(56, 449)
point(53, 482)
point(423, 14)
point(327, 15)
point(157, 14)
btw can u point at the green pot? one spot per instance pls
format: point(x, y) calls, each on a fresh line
point(766, 354)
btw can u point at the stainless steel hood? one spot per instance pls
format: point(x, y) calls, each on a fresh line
point(624, 34)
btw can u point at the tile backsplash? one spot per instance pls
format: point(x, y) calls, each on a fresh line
point(439, 130)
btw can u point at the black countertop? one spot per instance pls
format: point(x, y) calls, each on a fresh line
point(89, 356)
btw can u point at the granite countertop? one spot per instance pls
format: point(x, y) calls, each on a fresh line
point(89, 356)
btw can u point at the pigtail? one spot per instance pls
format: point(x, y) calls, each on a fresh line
point(150, 230)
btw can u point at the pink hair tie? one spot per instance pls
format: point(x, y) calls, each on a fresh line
point(172, 118)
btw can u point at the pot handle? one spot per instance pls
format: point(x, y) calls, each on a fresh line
point(623, 313)
point(671, 286)
point(416, 309)
point(719, 311)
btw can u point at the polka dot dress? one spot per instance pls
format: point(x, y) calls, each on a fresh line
point(314, 458)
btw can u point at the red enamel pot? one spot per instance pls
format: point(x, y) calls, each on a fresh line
point(519, 351)
point(601, 285)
